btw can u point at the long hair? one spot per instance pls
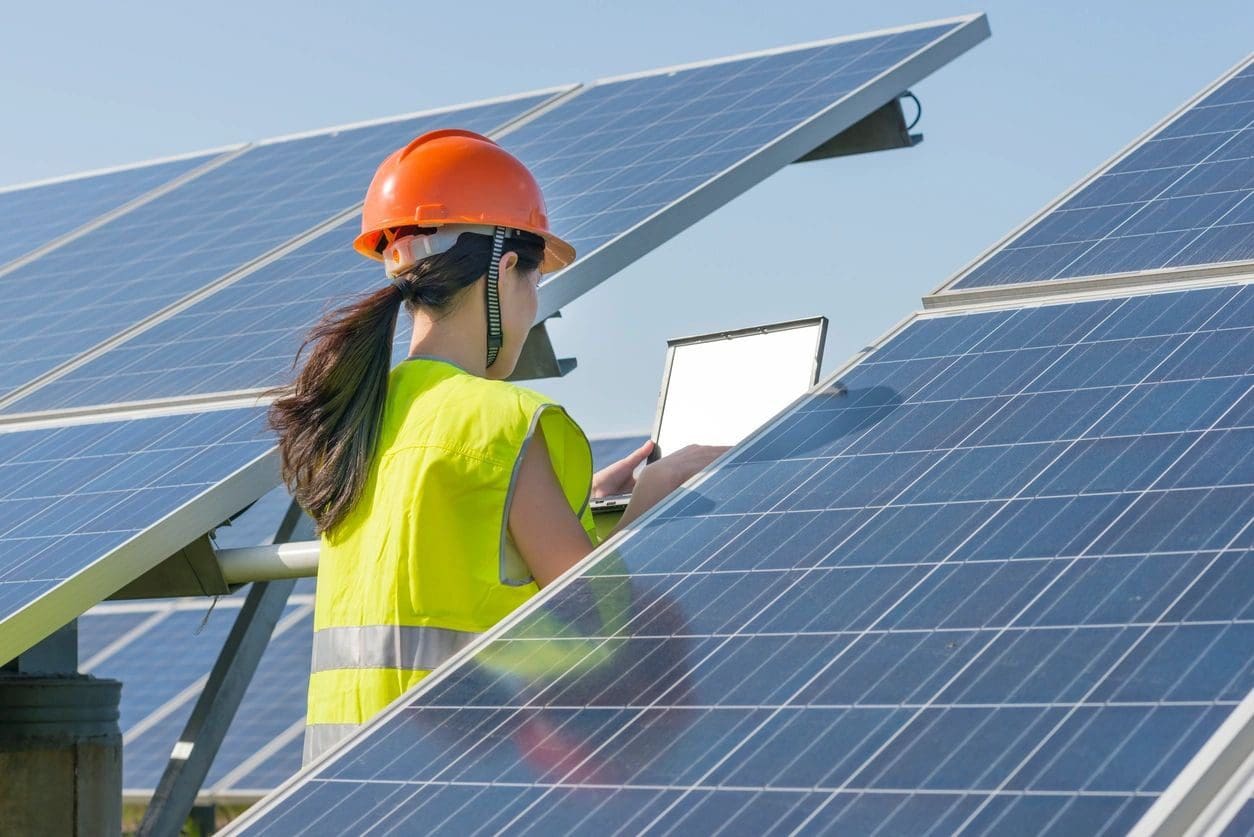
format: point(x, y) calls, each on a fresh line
point(328, 418)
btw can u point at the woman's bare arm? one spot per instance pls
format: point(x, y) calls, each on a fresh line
point(548, 535)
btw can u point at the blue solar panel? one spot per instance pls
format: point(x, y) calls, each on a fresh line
point(273, 705)
point(1180, 198)
point(275, 698)
point(34, 215)
point(999, 578)
point(1242, 824)
point(71, 497)
point(608, 159)
point(178, 243)
point(277, 768)
point(158, 665)
point(622, 150)
point(98, 631)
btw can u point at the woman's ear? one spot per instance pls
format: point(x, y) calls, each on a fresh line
point(508, 262)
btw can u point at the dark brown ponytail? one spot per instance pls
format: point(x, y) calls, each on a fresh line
point(327, 419)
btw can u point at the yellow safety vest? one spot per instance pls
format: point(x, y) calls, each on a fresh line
point(423, 563)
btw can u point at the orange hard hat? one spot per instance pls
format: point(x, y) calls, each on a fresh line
point(454, 177)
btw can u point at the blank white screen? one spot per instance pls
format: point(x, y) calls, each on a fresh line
point(722, 390)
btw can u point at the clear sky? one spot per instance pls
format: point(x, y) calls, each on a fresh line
point(1059, 88)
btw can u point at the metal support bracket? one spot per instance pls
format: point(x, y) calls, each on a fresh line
point(216, 707)
point(881, 130)
point(192, 571)
point(538, 359)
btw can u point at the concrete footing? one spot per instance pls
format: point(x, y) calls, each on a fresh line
point(60, 755)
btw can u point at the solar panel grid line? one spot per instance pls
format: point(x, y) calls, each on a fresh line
point(69, 236)
point(70, 177)
point(124, 640)
point(558, 96)
point(557, 90)
point(227, 787)
point(607, 258)
point(904, 597)
point(948, 287)
point(1197, 801)
point(132, 547)
point(1211, 316)
point(239, 339)
point(1217, 269)
point(157, 317)
point(552, 590)
point(188, 695)
point(236, 213)
point(536, 602)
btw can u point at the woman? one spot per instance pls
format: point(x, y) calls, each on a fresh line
point(444, 496)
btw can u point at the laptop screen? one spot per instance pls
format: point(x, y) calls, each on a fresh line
point(719, 388)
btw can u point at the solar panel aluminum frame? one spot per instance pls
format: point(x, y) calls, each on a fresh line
point(1200, 764)
point(1213, 786)
point(946, 295)
point(24, 628)
point(593, 268)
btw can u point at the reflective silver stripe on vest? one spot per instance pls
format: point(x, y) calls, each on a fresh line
point(321, 737)
point(415, 648)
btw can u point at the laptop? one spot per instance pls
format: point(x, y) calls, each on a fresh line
point(718, 388)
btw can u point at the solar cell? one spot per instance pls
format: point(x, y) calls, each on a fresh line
point(211, 226)
point(999, 576)
point(624, 164)
point(1180, 197)
point(34, 215)
point(88, 507)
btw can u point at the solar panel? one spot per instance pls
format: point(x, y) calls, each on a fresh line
point(624, 164)
point(98, 632)
point(160, 666)
point(630, 162)
point(999, 576)
point(211, 226)
point(1177, 198)
point(32, 216)
point(274, 701)
point(86, 508)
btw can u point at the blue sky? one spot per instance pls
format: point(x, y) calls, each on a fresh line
point(1059, 88)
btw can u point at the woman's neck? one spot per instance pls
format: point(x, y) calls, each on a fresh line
point(451, 339)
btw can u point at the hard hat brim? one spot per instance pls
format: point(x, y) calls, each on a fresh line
point(557, 252)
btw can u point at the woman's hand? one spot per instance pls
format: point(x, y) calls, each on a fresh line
point(618, 478)
point(664, 476)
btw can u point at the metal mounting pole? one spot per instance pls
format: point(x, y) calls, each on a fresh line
point(215, 708)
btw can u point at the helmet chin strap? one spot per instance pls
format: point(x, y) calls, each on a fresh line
point(492, 296)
